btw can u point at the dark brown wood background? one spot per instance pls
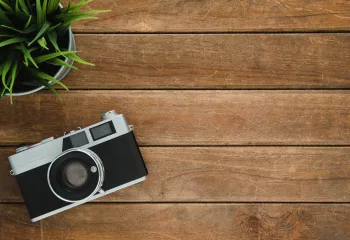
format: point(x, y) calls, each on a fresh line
point(241, 109)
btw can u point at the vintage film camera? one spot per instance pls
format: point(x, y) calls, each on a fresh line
point(58, 174)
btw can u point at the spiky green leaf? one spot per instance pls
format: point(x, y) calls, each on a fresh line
point(60, 62)
point(39, 14)
point(4, 18)
point(18, 12)
point(26, 54)
point(77, 15)
point(7, 35)
point(49, 56)
point(52, 6)
point(11, 41)
point(75, 7)
point(14, 73)
point(29, 21)
point(5, 90)
point(44, 10)
point(62, 29)
point(45, 76)
point(24, 31)
point(6, 6)
point(24, 7)
point(5, 69)
point(41, 32)
point(48, 86)
point(78, 59)
point(53, 39)
point(42, 42)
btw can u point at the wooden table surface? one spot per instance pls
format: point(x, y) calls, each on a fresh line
point(241, 109)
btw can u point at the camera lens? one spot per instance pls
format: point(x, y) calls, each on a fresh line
point(75, 174)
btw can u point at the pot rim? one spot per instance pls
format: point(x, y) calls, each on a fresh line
point(61, 73)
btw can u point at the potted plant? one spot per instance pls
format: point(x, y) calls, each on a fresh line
point(37, 47)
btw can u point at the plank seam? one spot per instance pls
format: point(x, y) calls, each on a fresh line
point(203, 203)
point(3, 145)
point(205, 89)
point(316, 31)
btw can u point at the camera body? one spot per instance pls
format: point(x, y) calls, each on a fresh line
point(58, 174)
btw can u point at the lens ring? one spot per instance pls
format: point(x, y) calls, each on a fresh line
point(100, 170)
point(75, 174)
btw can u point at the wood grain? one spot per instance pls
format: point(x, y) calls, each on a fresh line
point(179, 221)
point(188, 117)
point(218, 16)
point(226, 174)
point(185, 134)
point(213, 61)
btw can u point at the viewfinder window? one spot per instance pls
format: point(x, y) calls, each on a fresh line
point(79, 139)
point(102, 131)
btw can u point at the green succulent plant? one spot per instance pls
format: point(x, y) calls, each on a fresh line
point(32, 33)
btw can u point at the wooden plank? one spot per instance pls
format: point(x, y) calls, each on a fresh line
point(182, 221)
point(218, 16)
point(226, 174)
point(213, 61)
point(188, 117)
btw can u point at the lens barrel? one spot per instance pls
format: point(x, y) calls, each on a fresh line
point(75, 175)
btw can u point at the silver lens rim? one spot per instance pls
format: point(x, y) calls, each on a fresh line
point(100, 170)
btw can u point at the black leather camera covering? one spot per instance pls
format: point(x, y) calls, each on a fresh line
point(122, 162)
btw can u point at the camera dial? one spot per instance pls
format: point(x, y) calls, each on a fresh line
point(22, 147)
point(109, 114)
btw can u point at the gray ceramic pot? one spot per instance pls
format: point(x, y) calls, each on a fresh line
point(61, 73)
